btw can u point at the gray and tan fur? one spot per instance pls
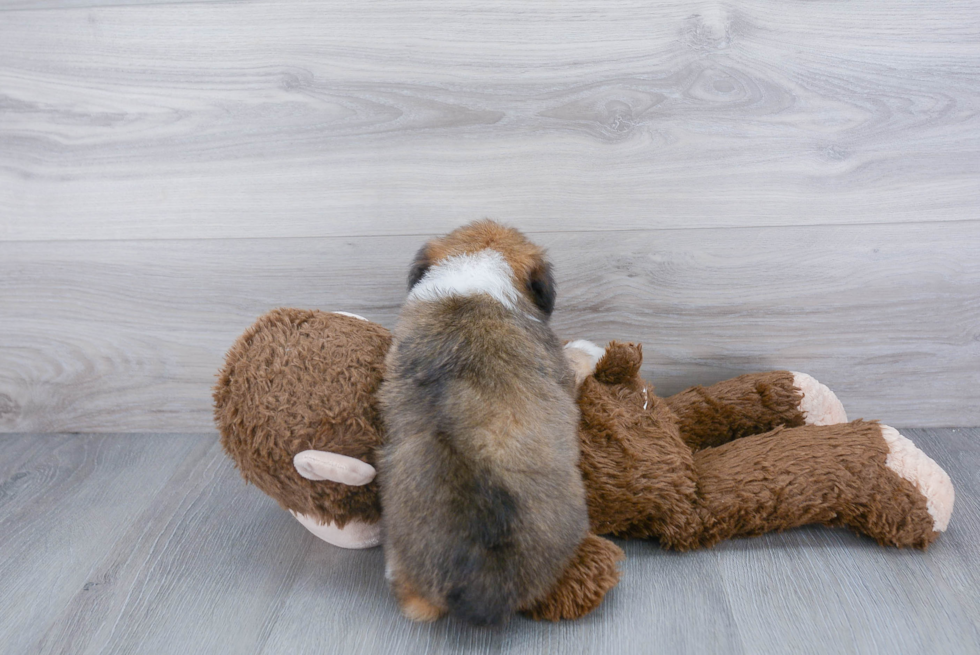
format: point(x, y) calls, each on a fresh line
point(483, 500)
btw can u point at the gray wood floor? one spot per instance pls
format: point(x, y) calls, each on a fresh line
point(152, 544)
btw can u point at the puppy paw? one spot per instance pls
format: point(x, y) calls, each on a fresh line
point(910, 463)
point(416, 608)
point(819, 404)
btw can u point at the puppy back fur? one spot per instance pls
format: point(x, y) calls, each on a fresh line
point(483, 500)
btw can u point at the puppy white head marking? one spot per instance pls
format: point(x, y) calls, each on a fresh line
point(485, 271)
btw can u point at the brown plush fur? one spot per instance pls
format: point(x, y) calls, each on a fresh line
point(707, 464)
point(483, 500)
point(639, 475)
point(591, 573)
point(834, 474)
point(648, 473)
point(299, 380)
point(748, 404)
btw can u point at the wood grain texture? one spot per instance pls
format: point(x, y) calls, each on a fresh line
point(808, 591)
point(63, 500)
point(956, 451)
point(307, 118)
point(34, 5)
point(129, 335)
point(185, 573)
point(212, 565)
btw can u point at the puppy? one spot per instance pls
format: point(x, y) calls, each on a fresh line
point(483, 499)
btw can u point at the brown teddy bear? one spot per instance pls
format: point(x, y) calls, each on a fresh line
point(296, 408)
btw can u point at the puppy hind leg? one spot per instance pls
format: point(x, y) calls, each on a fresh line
point(416, 608)
point(413, 605)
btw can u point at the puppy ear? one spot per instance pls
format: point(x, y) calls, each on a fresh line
point(420, 266)
point(541, 285)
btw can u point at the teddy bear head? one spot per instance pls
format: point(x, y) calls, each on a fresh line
point(301, 380)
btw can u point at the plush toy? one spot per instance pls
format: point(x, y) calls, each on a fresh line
point(296, 408)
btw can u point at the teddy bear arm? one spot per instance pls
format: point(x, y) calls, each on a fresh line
point(590, 574)
point(582, 357)
point(745, 405)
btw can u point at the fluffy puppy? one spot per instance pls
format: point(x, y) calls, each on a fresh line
point(483, 500)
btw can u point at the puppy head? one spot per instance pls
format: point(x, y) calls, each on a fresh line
point(494, 249)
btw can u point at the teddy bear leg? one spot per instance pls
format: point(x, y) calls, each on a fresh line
point(752, 404)
point(592, 572)
point(860, 474)
point(913, 465)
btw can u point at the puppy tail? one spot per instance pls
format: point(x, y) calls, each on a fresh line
point(487, 589)
point(481, 604)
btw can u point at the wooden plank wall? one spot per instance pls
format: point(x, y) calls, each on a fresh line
point(740, 186)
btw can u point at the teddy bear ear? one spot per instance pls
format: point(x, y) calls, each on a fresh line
point(620, 363)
